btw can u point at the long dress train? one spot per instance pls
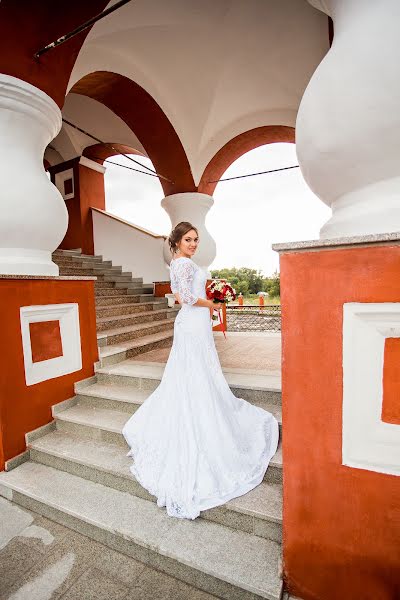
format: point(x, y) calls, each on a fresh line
point(195, 445)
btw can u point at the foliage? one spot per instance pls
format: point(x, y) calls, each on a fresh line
point(249, 281)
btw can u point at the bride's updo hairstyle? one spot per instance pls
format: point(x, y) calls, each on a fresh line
point(177, 234)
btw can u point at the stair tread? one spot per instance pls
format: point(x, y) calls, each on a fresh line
point(112, 306)
point(103, 418)
point(122, 296)
point(114, 420)
point(133, 327)
point(144, 313)
point(105, 351)
point(131, 394)
point(236, 378)
point(246, 561)
point(264, 501)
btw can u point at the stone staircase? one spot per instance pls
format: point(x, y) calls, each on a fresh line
point(130, 320)
point(78, 472)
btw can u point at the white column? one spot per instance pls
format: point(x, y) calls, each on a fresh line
point(33, 215)
point(348, 123)
point(192, 207)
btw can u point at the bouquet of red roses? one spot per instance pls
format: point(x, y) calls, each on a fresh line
point(219, 290)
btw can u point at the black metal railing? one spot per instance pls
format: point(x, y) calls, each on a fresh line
point(252, 317)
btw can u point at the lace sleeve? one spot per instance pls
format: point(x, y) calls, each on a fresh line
point(174, 285)
point(184, 272)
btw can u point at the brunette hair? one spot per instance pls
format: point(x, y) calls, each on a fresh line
point(177, 234)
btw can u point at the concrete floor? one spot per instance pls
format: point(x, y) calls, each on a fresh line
point(254, 351)
point(42, 560)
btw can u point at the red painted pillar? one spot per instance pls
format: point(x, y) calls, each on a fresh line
point(341, 418)
point(81, 183)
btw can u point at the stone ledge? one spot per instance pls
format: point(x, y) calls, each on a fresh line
point(345, 242)
point(50, 277)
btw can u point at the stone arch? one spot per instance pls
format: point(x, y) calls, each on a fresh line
point(134, 105)
point(239, 145)
point(100, 152)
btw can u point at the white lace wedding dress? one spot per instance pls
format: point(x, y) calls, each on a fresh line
point(195, 445)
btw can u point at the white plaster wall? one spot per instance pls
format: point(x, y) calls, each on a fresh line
point(95, 118)
point(134, 250)
point(217, 68)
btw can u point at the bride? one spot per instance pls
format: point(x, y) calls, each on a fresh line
point(195, 445)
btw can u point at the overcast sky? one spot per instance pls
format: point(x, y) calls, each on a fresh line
point(248, 214)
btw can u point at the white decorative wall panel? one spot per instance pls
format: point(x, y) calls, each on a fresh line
point(71, 360)
point(368, 442)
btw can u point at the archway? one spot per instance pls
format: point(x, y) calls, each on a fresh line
point(239, 145)
point(147, 120)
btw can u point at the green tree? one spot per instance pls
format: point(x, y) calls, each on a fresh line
point(249, 281)
point(274, 285)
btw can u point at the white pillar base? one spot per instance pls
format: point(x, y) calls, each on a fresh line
point(192, 207)
point(373, 209)
point(22, 261)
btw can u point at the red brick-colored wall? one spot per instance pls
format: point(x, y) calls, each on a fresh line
point(24, 408)
point(88, 193)
point(341, 524)
point(91, 195)
point(27, 26)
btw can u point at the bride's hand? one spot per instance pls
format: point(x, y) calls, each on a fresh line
point(217, 305)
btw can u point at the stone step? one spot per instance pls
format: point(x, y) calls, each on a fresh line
point(258, 512)
point(147, 288)
point(99, 266)
point(124, 279)
point(113, 300)
point(90, 256)
point(131, 290)
point(104, 323)
point(92, 272)
point(104, 284)
point(78, 254)
point(133, 332)
point(110, 292)
point(128, 309)
point(77, 260)
point(127, 398)
point(231, 564)
point(105, 425)
point(115, 353)
point(251, 387)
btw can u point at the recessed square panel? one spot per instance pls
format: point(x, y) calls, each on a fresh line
point(368, 442)
point(45, 340)
point(37, 319)
point(68, 187)
point(64, 182)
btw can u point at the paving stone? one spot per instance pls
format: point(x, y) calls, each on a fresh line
point(95, 585)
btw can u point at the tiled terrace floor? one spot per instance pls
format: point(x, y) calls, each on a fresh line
point(253, 351)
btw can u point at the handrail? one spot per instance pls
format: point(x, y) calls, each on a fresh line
point(141, 229)
point(255, 306)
